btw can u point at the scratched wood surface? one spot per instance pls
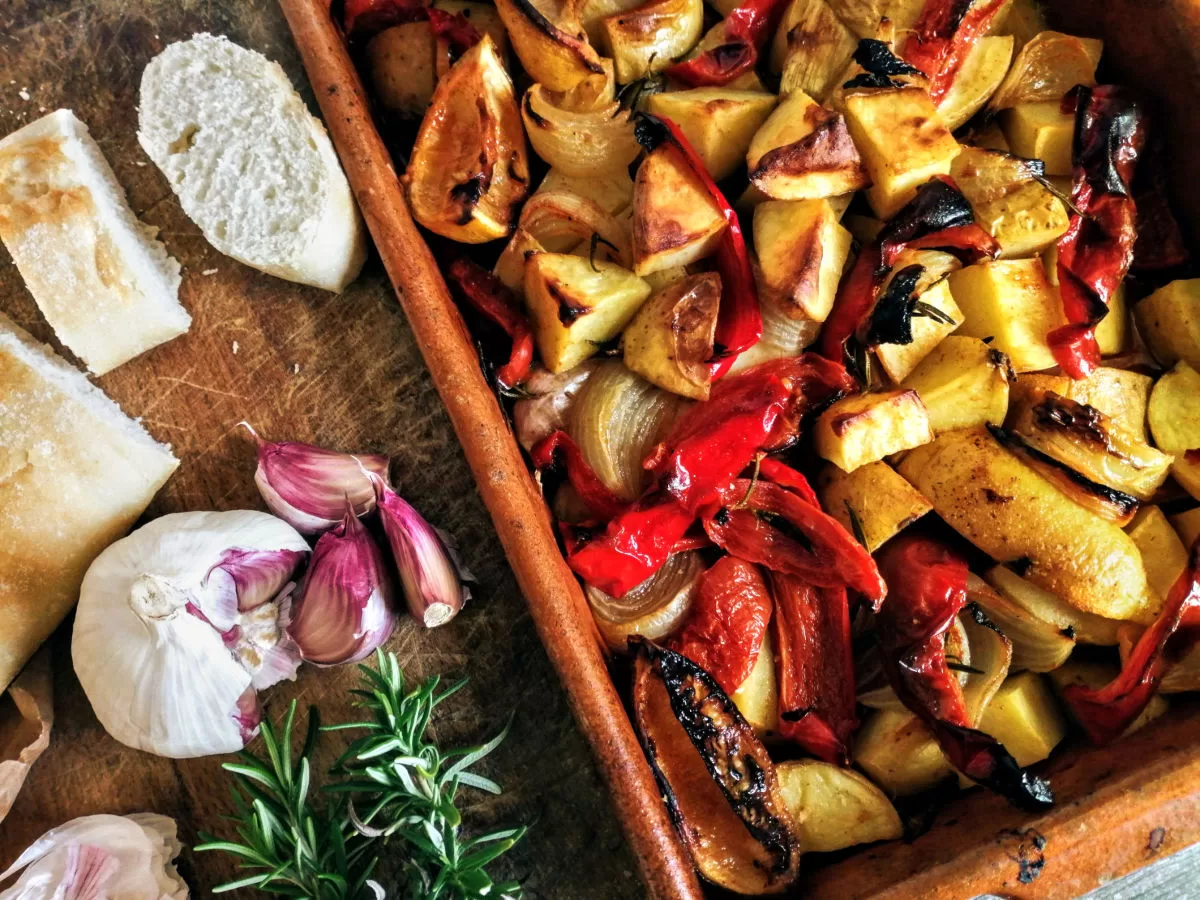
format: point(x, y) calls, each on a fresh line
point(299, 363)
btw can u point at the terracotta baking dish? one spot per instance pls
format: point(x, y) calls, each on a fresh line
point(1119, 807)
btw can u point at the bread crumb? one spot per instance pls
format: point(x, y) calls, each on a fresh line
point(139, 164)
point(23, 93)
point(295, 368)
point(210, 271)
point(235, 348)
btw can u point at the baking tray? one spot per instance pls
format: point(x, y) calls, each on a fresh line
point(1118, 807)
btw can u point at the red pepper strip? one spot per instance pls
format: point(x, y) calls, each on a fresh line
point(785, 476)
point(366, 18)
point(493, 300)
point(1106, 712)
point(814, 664)
point(944, 36)
point(633, 547)
point(455, 28)
point(854, 302)
point(927, 588)
point(1096, 251)
point(746, 30)
point(739, 320)
point(727, 622)
point(691, 542)
point(558, 450)
point(754, 525)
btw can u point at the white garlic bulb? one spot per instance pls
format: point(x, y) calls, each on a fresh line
point(177, 628)
point(111, 857)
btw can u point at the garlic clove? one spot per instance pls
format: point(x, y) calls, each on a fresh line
point(345, 608)
point(243, 580)
point(429, 572)
point(307, 486)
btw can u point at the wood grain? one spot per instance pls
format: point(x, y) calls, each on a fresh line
point(343, 371)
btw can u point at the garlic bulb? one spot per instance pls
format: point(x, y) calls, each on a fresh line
point(101, 858)
point(177, 628)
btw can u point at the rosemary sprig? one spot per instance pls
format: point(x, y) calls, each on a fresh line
point(390, 786)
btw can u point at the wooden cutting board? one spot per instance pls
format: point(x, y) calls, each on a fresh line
point(298, 363)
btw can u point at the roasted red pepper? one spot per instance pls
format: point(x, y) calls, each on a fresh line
point(785, 476)
point(633, 547)
point(1095, 252)
point(1106, 712)
point(366, 18)
point(746, 30)
point(944, 35)
point(927, 588)
point(557, 450)
point(739, 321)
point(814, 664)
point(727, 622)
point(495, 302)
point(767, 524)
point(454, 28)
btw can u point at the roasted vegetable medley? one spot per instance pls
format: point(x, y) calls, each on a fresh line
point(853, 345)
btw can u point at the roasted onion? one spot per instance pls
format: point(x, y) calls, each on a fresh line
point(1037, 645)
point(560, 221)
point(1087, 628)
point(578, 143)
point(989, 660)
point(617, 419)
point(783, 337)
point(653, 609)
point(1046, 68)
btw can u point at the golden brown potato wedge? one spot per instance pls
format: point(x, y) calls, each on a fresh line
point(718, 122)
point(757, 698)
point(1169, 322)
point(675, 221)
point(550, 42)
point(469, 169)
point(1025, 718)
point(1041, 131)
point(1096, 675)
point(592, 12)
point(899, 754)
point(576, 305)
point(835, 808)
point(400, 61)
point(1041, 604)
point(963, 383)
point(865, 428)
point(804, 151)
point(670, 340)
point(899, 360)
point(1011, 513)
point(1174, 416)
point(872, 501)
point(980, 75)
point(1163, 553)
point(801, 251)
point(1010, 301)
point(1187, 526)
point(650, 37)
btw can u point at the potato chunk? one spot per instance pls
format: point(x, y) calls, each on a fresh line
point(862, 429)
point(1012, 513)
point(881, 502)
point(1011, 302)
point(1187, 526)
point(675, 220)
point(575, 307)
point(1041, 131)
point(1174, 415)
point(670, 339)
point(896, 749)
point(898, 360)
point(903, 142)
point(1169, 322)
point(1025, 718)
point(400, 60)
point(835, 808)
point(801, 252)
point(963, 383)
point(718, 122)
point(757, 698)
point(1163, 553)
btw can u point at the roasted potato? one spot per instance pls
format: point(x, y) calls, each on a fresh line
point(1043, 605)
point(400, 61)
point(550, 42)
point(1187, 526)
point(1011, 302)
point(675, 220)
point(718, 122)
point(1169, 322)
point(1011, 513)
point(650, 37)
point(980, 75)
point(592, 12)
point(801, 251)
point(670, 340)
point(757, 698)
point(1025, 718)
point(865, 428)
point(899, 360)
point(1163, 553)
point(963, 383)
point(835, 808)
point(903, 142)
point(510, 267)
point(896, 749)
point(1019, 213)
point(611, 191)
point(1096, 675)
point(1118, 393)
point(1174, 416)
point(577, 305)
point(804, 151)
point(872, 501)
point(811, 48)
point(483, 16)
point(1041, 131)
point(469, 169)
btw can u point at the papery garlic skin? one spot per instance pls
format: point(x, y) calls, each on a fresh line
point(308, 486)
point(346, 607)
point(169, 664)
point(430, 574)
point(101, 858)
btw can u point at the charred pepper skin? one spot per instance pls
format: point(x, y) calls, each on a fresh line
point(488, 296)
point(746, 30)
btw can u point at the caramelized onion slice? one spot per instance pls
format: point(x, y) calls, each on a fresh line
point(990, 655)
point(578, 143)
point(1085, 627)
point(560, 221)
point(1046, 68)
point(1037, 645)
point(783, 337)
point(616, 420)
point(655, 608)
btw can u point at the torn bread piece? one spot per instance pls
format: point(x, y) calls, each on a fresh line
point(75, 473)
point(108, 289)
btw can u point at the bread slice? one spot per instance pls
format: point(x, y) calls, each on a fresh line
point(105, 285)
point(250, 164)
point(75, 473)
